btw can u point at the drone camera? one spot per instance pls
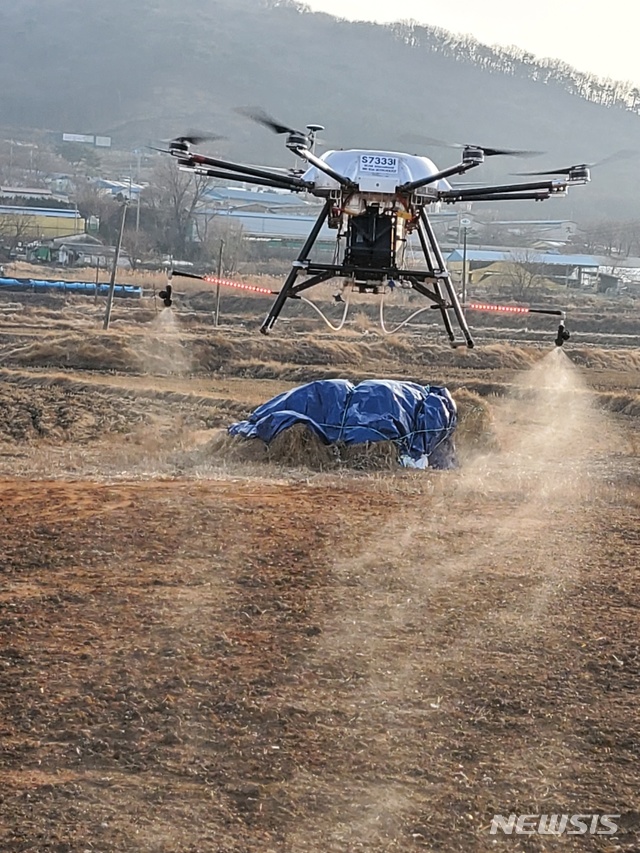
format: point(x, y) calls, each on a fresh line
point(165, 295)
point(562, 336)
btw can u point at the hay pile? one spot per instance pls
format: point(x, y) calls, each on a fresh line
point(230, 448)
point(476, 428)
point(299, 447)
point(372, 456)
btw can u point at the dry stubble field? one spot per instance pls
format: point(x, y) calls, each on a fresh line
point(203, 650)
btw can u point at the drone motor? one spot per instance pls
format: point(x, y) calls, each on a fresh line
point(579, 174)
point(473, 156)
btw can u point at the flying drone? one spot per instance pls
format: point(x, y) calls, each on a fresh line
point(375, 200)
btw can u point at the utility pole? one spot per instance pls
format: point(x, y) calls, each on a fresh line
point(95, 295)
point(116, 258)
point(216, 321)
point(464, 266)
point(465, 223)
point(138, 153)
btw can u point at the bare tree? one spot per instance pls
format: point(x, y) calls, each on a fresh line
point(524, 273)
point(173, 197)
point(138, 245)
point(91, 202)
point(226, 231)
point(612, 237)
point(16, 228)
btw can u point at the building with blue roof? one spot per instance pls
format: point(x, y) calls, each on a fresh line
point(255, 200)
point(576, 270)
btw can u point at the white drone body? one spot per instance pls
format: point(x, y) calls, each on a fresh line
point(375, 176)
point(375, 172)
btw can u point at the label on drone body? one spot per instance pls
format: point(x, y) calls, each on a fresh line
point(378, 164)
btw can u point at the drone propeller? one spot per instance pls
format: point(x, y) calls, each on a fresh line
point(182, 143)
point(196, 138)
point(565, 171)
point(296, 139)
point(487, 151)
point(260, 116)
point(625, 154)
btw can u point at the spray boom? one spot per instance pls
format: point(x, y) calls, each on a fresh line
point(562, 336)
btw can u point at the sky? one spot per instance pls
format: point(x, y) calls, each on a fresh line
point(594, 36)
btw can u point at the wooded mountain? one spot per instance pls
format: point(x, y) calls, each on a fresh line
point(143, 69)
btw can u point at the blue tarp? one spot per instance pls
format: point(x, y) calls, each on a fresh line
point(421, 419)
point(85, 287)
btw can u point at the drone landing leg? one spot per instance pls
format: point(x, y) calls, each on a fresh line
point(298, 266)
point(437, 286)
point(445, 279)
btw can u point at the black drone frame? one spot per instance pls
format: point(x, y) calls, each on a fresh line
point(434, 280)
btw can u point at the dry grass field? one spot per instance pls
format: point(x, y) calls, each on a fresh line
point(207, 648)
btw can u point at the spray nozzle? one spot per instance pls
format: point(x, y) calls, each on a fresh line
point(562, 336)
point(165, 295)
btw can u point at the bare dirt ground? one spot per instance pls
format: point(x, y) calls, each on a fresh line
point(207, 655)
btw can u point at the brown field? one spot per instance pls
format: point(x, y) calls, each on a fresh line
point(209, 648)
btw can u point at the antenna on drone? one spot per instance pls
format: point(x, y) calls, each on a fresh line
point(314, 130)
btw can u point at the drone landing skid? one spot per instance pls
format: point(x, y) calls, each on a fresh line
point(434, 282)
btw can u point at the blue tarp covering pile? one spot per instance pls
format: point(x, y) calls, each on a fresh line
point(84, 287)
point(421, 419)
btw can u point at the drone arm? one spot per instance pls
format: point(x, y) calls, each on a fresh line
point(219, 173)
point(459, 169)
point(469, 193)
point(311, 158)
point(290, 181)
point(531, 196)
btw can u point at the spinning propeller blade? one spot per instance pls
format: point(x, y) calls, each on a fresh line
point(198, 138)
point(507, 152)
point(182, 143)
point(487, 151)
point(260, 116)
point(625, 154)
point(551, 172)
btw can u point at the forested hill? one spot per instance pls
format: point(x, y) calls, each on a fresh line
point(139, 69)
